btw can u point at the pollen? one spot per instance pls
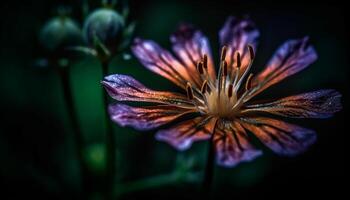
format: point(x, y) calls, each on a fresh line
point(222, 97)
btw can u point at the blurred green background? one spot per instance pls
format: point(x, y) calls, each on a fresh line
point(37, 156)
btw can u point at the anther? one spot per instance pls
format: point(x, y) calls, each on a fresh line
point(248, 83)
point(251, 52)
point(189, 91)
point(204, 87)
point(200, 67)
point(224, 67)
point(238, 60)
point(223, 53)
point(230, 90)
point(205, 61)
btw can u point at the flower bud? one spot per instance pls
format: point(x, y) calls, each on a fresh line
point(60, 32)
point(106, 25)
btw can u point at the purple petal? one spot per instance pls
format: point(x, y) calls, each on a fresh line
point(317, 104)
point(160, 61)
point(125, 88)
point(190, 45)
point(184, 134)
point(237, 34)
point(292, 57)
point(232, 145)
point(145, 118)
point(281, 137)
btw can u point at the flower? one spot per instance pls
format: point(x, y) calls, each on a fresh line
point(225, 111)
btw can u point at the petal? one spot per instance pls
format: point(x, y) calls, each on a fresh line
point(190, 45)
point(236, 34)
point(281, 137)
point(232, 145)
point(125, 88)
point(145, 118)
point(182, 135)
point(292, 57)
point(160, 61)
point(317, 104)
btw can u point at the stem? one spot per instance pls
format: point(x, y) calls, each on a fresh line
point(147, 183)
point(110, 141)
point(209, 169)
point(63, 72)
point(154, 182)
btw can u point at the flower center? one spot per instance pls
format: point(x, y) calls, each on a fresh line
point(220, 105)
point(221, 97)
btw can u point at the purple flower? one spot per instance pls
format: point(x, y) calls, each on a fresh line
point(222, 101)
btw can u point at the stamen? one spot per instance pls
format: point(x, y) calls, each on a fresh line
point(220, 72)
point(251, 52)
point(230, 90)
point(200, 67)
point(238, 60)
point(189, 91)
point(205, 61)
point(224, 67)
point(240, 100)
point(238, 66)
point(245, 73)
point(220, 77)
point(224, 74)
point(248, 83)
point(223, 53)
point(204, 87)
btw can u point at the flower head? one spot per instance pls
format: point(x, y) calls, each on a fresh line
point(107, 31)
point(222, 101)
point(106, 24)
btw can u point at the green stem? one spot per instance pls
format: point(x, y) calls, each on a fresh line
point(110, 141)
point(152, 182)
point(63, 72)
point(209, 169)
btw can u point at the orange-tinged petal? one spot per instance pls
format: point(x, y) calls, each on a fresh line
point(281, 137)
point(292, 57)
point(190, 45)
point(145, 118)
point(317, 104)
point(161, 62)
point(237, 34)
point(232, 145)
point(182, 136)
point(125, 88)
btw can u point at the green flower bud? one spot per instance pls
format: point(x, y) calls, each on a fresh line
point(107, 26)
point(60, 32)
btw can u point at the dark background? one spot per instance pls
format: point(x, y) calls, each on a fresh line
point(36, 150)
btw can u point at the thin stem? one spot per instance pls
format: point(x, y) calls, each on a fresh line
point(209, 169)
point(63, 72)
point(147, 183)
point(110, 141)
point(156, 181)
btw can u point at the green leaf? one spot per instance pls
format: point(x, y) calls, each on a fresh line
point(84, 50)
